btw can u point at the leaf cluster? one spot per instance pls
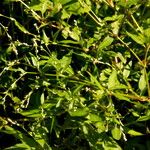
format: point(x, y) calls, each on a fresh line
point(74, 74)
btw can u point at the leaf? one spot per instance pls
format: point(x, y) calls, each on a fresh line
point(74, 35)
point(3, 122)
point(74, 7)
point(21, 27)
point(68, 42)
point(132, 132)
point(142, 81)
point(116, 133)
point(65, 14)
point(127, 70)
point(94, 118)
point(128, 3)
point(147, 35)
point(45, 38)
point(62, 1)
point(65, 32)
point(42, 99)
point(121, 96)
point(113, 82)
point(79, 112)
point(111, 144)
point(144, 118)
point(20, 146)
point(40, 5)
point(116, 24)
point(101, 126)
point(23, 136)
point(106, 42)
point(137, 38)
point(34, 60)
point(35, 113)
point(95, 81)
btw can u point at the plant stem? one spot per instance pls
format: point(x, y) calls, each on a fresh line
point(33, 12)
point(139, 28)
point(137, 57)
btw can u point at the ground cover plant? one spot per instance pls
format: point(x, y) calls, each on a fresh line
point(74, 74)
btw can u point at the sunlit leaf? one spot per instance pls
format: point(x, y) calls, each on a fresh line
point(116, 133)
point(34, 60)
point(113, 82)
point(74, 35)
point(94, 117)
point(132, 132)
point(24, 137)
point(45, 38)
point(20, 27)
point(121, 96)
point(40, 5)
point(147, 36)
point(106, 42)
point(95, 81)
point(126, 71)
point(65, 14)
point(79, 112)
point(137, 38)
point(128, 3)
point(143, 118)
point(111, 144)
point(116, 24)
point(142, 81)
point(32, 113)
point(42, 98)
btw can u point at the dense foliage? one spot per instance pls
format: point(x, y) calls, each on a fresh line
point(74, 74)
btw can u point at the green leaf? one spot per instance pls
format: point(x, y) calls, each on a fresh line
point(3, 122)
point(23, 136)
point(127, 70)
point(116, 24)
point(20, 146)
point(113, 82)
point(111, 144)
point(74, 36)
point(40, 5)
point(79, 112)
point(142, 81)
point(20, 27)
point(128, 3)
point(35, 113)
point(42, 99)
point(101, 126)
point(62, 1)
point(94, 118)
point(144, 118)
point(132, 132)
point(45, 38)
point(65, 14)
point(137, 38)
point(147, 35)
point(95, 81)
point(116, 133)
point(121, 96)
point(34, 60)
point(106, 42)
